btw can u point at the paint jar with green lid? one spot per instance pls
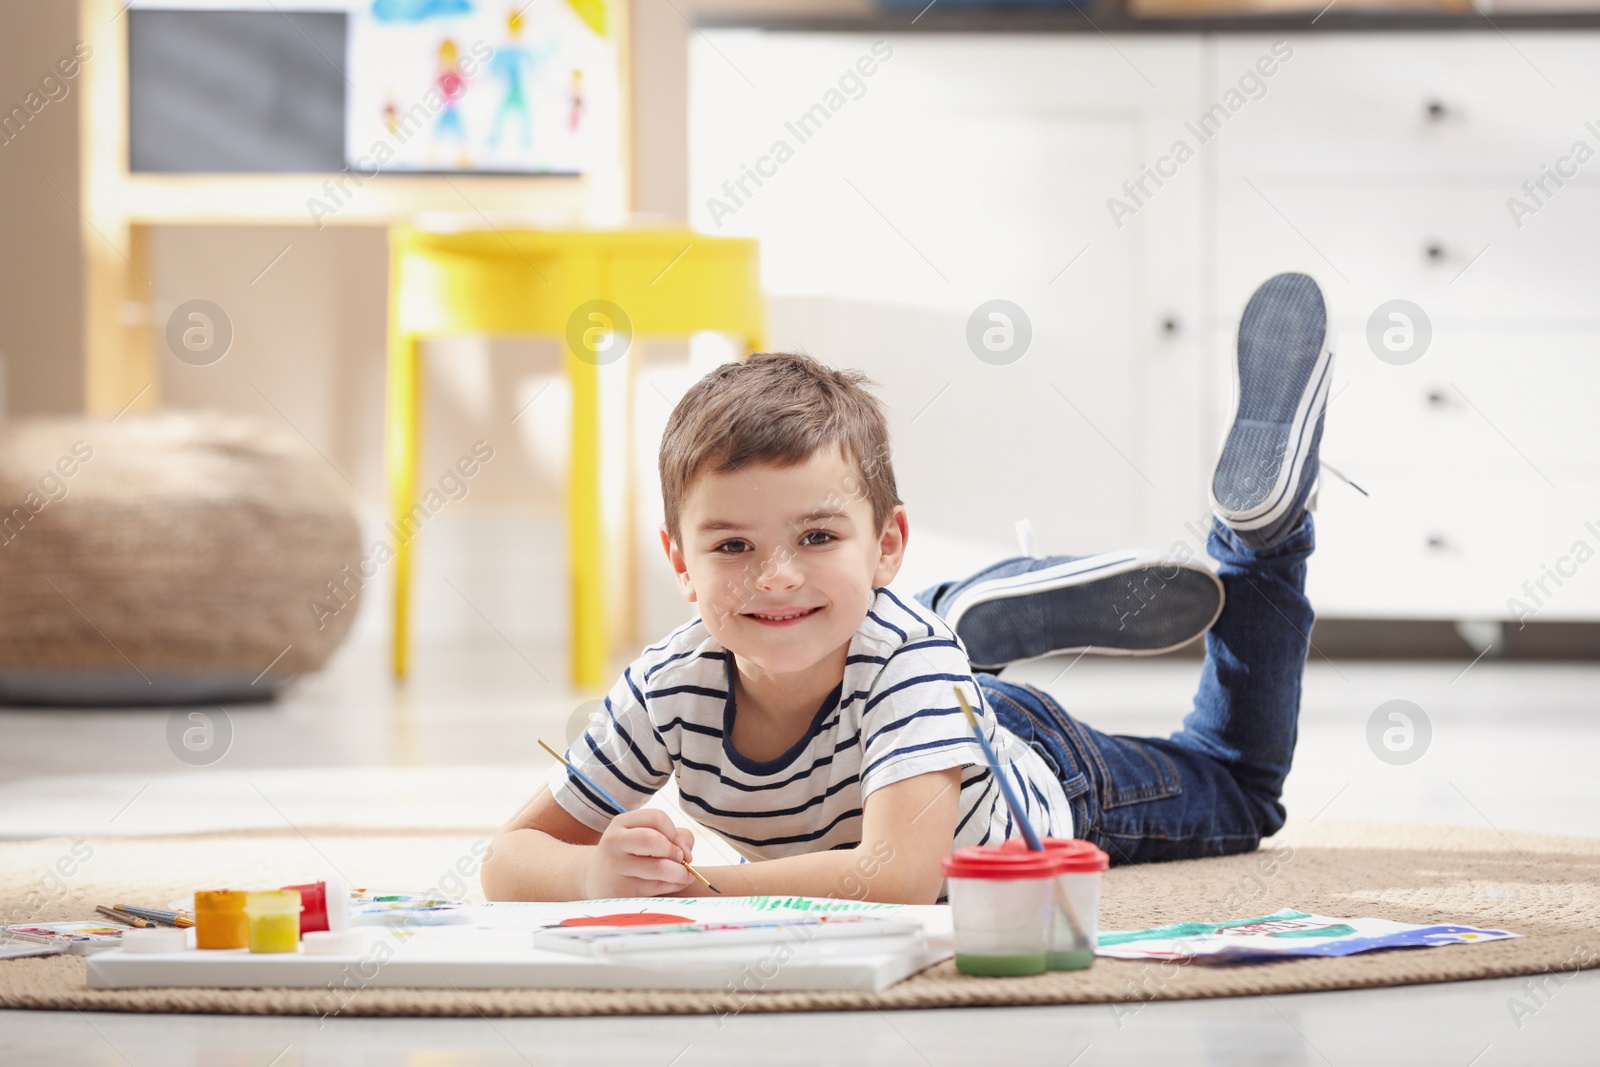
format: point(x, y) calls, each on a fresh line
point(1001, 902)
point(1075, 916)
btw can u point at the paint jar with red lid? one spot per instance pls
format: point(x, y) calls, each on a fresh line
point(326, 904)
point(1075, 916)
point(1002, 902)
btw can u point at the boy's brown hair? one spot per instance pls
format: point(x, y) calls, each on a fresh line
point(778, 408)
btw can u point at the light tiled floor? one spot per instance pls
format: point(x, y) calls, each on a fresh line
point(1511, 748)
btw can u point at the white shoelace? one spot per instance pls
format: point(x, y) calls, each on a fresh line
point(1339, 474)
point(1311, 499)
point(1025, 539)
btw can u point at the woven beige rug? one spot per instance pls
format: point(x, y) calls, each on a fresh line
point(1542, 886)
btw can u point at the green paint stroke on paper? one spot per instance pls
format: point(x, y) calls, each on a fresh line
point(813, 904)
point(1158, 933)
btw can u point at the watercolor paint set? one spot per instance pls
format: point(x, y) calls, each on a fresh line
point(79, 938)
point(405, 909)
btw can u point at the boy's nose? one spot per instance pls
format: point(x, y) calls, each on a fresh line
point(779, 571)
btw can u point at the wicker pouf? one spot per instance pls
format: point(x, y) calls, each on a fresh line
point(168, 558)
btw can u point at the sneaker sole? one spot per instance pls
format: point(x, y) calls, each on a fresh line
point(1081, 605)
point(1294, 444)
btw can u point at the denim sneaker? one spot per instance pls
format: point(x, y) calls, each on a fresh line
point(1119, 603)
point(1267, 472)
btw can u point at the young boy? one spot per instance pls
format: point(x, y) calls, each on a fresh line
point(809, 714)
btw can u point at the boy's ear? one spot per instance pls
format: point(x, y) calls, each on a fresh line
point(892, 546)
point(680, 569)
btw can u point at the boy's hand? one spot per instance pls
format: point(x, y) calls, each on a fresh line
point(639, 856)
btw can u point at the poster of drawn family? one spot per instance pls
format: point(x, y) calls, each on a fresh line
point(516, 86)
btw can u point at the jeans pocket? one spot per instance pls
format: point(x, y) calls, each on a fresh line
point(1131, 772)
point(1074, 781)
point(1036, 726)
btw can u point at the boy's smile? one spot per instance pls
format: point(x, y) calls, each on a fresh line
point(782, 562)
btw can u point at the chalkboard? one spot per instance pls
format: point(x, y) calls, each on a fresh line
point(236, 91)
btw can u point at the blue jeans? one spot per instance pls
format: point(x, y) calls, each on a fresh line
point(1212, 787)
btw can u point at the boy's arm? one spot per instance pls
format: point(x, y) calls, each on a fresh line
point(544, 853)
point(907, 827)
point(567, 845)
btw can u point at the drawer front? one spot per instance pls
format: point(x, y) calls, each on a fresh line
point(1503, 406)
point(1457, 548)
point(1516, 407)
point(1349, 106)
point(1456, 253)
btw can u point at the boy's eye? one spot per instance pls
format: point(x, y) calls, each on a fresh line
point(719, 550)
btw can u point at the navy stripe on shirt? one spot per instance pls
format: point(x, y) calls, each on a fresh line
point(606, 762)
point(921, 679)
point(622, 732)
point(793, 839)
point(909, 749)
point(898, 723)
point(886, 625)
point(816, 799)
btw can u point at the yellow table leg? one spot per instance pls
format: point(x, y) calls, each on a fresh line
point(627, 631)
point(586, 533)
point(401, 442)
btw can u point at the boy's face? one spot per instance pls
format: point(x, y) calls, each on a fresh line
point(766, 540)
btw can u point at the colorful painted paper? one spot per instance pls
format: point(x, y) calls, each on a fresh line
point(1283, 934)
point(481, 85)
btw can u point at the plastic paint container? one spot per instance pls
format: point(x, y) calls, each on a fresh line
point(219, 920)
point(155, 939)
point(1072, 943)
point(1002, 902)
point(274, 920)
point(333, 943)
point(326, 903)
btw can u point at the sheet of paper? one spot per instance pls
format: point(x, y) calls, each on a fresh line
point(13, 949)
point(634, 911)
point(1284, 933)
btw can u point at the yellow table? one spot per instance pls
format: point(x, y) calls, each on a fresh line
point(666, 283)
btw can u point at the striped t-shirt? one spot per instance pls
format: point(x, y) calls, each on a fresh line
point(893, 716)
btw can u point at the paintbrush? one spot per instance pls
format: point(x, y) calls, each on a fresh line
point(618, 808)
point(158, 916)
point(122, 917)
point(1028, 834)
point(1030, 837)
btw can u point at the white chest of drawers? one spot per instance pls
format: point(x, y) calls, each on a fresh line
point(1384, 165)
point(987, 165)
